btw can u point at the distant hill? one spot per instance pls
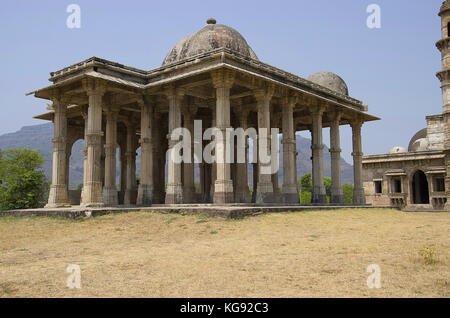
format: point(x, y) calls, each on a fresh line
point(39, 137)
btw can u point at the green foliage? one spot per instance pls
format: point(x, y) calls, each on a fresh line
point(305, 185)
point(327, 183)
point(348, 193)
point(80, 187)
point(305, 197)
point(23, 184)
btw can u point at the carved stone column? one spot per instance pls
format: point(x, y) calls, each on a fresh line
point(146, 186)
point(159, 159)
point(242, 190)
point(264, 192)
point(174, 192)
point(93, 193)
point(188, 168)
point(337, 195)
point(358, 192)
point(58, 196)
point(110, 194)
point(223, 188)
point(318, 195)
point(212, 166)
point(290, 189)
point(130, 191)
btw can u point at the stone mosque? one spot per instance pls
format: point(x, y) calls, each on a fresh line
point(417, 178)
point(213, 76)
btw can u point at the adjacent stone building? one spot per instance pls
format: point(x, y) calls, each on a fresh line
point(417, 177)
point(213, 76)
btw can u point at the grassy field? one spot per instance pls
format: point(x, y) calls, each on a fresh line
point(308, 254)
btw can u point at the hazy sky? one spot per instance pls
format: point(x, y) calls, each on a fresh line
point(391, 69)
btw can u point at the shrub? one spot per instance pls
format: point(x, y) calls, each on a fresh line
point(23, 185)
point(428, 254)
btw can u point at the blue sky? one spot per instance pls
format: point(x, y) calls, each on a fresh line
point(391, 69)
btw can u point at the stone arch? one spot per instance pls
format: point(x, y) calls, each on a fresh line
point(74, 135)
point(420, 188)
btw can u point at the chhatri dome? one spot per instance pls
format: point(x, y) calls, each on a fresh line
point(398, 149)
point(330, 81)
point(211, 37)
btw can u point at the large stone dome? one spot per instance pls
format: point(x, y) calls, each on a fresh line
point(419, 141)
point(211, 37)
point(330, 81)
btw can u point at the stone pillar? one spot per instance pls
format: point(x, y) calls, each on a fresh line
point(174, 193)
point(130, 191)
point(188, 168)
point(110, 194)
point(358, 192)
point(213, 166)
point(146, 186)
point(58, 196)
point(318, 195)
point(223, 188)
point(123, 168)
point(290, 188)
point(93, 193)
point(264, 192)
point(337, 195)
point(242, 190)
point(84, 114)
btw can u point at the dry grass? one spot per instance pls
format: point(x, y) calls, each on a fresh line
point(309, 254)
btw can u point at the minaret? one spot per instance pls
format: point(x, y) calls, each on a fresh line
point(444, 76)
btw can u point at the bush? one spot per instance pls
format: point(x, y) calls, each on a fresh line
point(428, 254)
point(348, 193)
point(305, 197)
point(305, 186)
point(23, 185)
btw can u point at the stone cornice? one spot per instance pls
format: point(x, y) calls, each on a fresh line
point(425, 155)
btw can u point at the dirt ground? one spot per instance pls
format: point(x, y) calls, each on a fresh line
point(303, 254)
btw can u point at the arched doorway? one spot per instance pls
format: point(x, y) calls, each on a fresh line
point(420, 188)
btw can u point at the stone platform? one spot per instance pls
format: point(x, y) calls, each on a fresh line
point(232, 211)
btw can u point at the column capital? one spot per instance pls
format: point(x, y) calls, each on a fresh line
point(222, 78)
point(171, 91)
point(94, 87)
point(356, 123)
point(317, 110)
point(336, 115)
point(288, 102)
point(264, 94)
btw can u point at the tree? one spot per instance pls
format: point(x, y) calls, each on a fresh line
point(348, 193)
point(306, 183)
point(327, 183)
point(23, 184)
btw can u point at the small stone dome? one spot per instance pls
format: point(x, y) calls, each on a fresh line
point(398, 149)
point(211, 37)
point(413, 145)
point(330, 81)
